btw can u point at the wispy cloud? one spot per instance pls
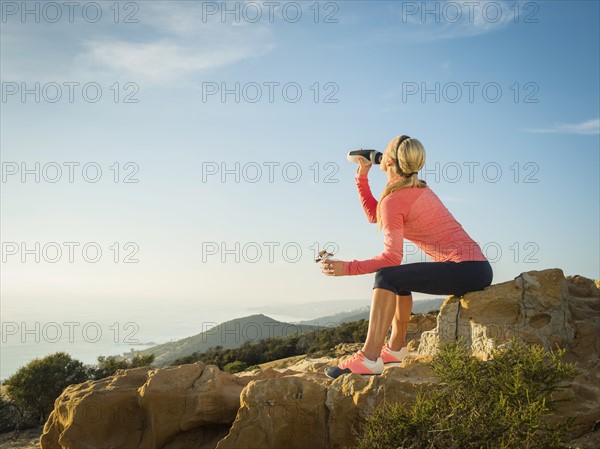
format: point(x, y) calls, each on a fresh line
point(181, 43)
point(439, 20)
point(589, 127)
point(171, 41)
point(161, 61)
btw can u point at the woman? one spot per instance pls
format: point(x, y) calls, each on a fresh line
point(409, 209)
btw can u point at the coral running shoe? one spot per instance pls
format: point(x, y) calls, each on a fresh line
point(356, 363)
point(393, 358)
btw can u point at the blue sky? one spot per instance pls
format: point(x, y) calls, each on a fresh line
point(530, 133)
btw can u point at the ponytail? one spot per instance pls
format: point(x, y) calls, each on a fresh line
point(411, 158)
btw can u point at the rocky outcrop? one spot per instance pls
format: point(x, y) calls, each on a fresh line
point(291, 404)
point(540, 307)
point(534, 307)
point(309, 411)
point(146, 408)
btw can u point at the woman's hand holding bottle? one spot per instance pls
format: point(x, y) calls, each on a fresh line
point(363, 167)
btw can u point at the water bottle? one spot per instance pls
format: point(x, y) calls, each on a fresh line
point(371, 156)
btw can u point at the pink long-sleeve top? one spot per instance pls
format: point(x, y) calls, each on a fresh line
point(418, 215)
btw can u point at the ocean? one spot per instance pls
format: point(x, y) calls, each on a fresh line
point(33, 334)
point(26, 337)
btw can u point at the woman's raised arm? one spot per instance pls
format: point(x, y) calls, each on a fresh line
point(367, 200)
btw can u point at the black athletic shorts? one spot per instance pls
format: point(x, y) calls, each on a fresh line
point(435, 278)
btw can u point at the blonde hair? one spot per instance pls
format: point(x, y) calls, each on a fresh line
point(411, 158)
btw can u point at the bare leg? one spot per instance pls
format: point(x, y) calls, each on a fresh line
point(400, 322)
point(383, 307)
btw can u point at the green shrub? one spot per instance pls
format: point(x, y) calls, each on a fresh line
point(11, 417)
point(107, 366)
point(235, 367)
point(499, 404)
point(35, 386)
point(315, 343)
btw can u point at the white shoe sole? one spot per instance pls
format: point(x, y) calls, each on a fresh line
point(387, 365)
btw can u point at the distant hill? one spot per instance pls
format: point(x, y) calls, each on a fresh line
point(230, 334)
point(361, 313)
point(427, 305)
point(310, 310)
point(419, 306)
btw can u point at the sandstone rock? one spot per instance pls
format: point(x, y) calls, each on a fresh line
point(534, 307)
point(274, 410)
point(308, 410)
point(144, 408)
point(292, 404)
point(584, 352)
point(104, 413)
point(419, 324)
point(352, 399)
point(583, 287)
point(541, 307)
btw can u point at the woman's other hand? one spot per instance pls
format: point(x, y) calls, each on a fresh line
point(332, 267)
point(363, 167)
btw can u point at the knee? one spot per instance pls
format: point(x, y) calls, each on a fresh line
point(383, 280)
point(380, 278)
